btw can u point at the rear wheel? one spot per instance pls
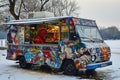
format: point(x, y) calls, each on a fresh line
point(69, 67)
point(23, 63)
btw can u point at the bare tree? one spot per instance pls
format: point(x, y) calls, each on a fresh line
point(34, 5)
point(3, 3)
point(19, 8)
point(43, 2)
point(30, 6)
point(112, 32)
point(15, 6)
point(3, 10)
point(12, 8)
point(62, 7)
point(70, 7)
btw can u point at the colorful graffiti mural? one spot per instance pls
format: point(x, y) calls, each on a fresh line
point(51, 44)
point(52, 56)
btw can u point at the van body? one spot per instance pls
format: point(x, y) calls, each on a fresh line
point(51, 41)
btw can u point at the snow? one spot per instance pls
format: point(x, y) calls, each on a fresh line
point(9, 70)
point(112, 72)
point(114, 45)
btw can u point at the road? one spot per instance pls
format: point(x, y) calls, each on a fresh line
point(9, 70)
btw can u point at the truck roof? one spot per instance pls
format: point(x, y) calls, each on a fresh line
point(35, 21)
point(83, 22)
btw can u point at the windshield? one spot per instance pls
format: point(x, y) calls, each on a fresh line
point(88, 33)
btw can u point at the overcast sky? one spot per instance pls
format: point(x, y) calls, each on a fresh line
point(105, 12)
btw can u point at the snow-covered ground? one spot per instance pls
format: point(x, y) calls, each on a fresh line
point(114, 45)
point(9, 70)
point(112, 72)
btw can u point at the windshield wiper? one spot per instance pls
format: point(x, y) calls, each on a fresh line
point(91, 39)
point(86, 38)
point(97, 39)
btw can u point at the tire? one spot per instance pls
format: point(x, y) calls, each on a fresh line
point(69, 67)
point(23, 64)
point(91, 72)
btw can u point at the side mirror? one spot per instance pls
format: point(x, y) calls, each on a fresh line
point(73, 36)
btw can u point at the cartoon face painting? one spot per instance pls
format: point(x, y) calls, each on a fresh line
point(12, 32)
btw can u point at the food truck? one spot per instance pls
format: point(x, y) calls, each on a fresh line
point(65, 43)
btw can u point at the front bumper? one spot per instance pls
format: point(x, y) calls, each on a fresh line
point(98, 65)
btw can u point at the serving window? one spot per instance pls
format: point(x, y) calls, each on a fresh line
point(41, 34)
point(64, 33)
point(44, 33)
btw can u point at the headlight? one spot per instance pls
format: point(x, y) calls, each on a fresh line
point(93, 58)
point(109, 56)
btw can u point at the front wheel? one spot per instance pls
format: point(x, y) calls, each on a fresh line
point(69, 67)
point(91, 72)
point(23, 63)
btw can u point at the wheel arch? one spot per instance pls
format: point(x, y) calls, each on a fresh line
point(19, 56)
point(66, 60)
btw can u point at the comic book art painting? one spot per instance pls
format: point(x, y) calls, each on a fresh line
point(57, 42)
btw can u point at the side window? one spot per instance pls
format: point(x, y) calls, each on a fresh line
point(27, 34)
point(33, 33)
point(43, 34)
point(72, 35)
point(52, 34)
point(64, 33)
point(20, 34)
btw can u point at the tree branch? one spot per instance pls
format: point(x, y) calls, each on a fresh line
point(42, 5)
point(4, 5)
point(12, 8)
point(20, 8)
point(25, 7)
